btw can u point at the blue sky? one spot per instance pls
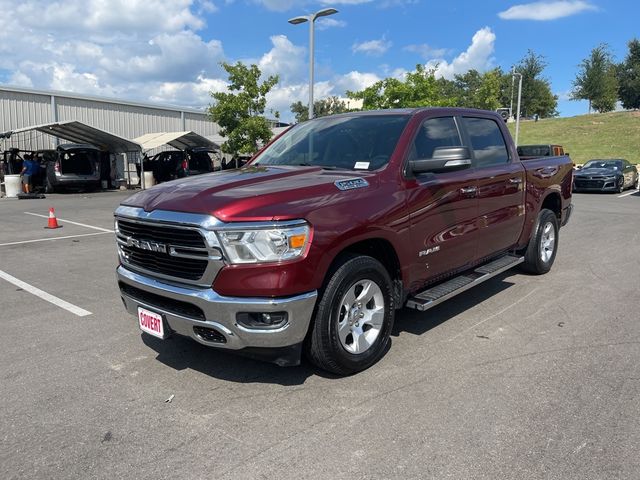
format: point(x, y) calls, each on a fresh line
point(169, 51)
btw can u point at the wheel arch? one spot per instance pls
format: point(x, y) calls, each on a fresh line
point(376, 247)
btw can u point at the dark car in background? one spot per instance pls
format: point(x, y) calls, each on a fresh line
point(609, 175)
point(174, 164)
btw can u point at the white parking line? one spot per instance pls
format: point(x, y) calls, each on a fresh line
point(628, 193)
point(58, 302)
point(74, 223)
point(52, 238)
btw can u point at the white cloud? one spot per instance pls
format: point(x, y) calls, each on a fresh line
point(478, 56)
point(546, 10)
point(325, 23)
point(284, 59)
point(426, 51)
point(372, 47)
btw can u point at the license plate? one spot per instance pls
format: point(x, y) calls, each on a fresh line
point(150, 322)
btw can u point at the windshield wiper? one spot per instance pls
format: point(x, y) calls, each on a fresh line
point(324, 167)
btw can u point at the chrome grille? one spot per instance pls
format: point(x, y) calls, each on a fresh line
point(182, 253)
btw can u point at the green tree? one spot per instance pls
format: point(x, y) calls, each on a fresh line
point(479, 90)
point(537, 97)
point(321, 108)
point(596, 80)
point(239, 112)
point(629, 77)
point(420, 88)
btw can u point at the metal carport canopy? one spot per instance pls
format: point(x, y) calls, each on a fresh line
point(178, 140)
point(78, 132)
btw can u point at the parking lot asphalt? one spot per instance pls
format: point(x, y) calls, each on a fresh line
point(522, 377)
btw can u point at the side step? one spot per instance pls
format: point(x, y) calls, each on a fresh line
point(435, 295)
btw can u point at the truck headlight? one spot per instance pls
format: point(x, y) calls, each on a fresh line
point(265, 244)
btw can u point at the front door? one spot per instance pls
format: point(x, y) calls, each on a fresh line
point(442, 208)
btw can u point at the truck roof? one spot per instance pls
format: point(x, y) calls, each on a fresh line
point(416, 110)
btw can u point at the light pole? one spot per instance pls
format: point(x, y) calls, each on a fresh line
point(311, 18)
point(518, 108)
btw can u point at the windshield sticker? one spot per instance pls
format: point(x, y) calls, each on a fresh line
point(361, 165)
point(351, 183)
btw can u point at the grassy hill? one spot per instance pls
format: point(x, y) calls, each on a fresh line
point(606, 135)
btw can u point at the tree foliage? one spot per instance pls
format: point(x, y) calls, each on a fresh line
point(629, 76)
point(537, 97)
point(239, 112)
point(321, 108)
point(419, 88)
point(596, 80)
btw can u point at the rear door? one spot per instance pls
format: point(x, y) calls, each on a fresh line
point(442, 206)
point(501, 183)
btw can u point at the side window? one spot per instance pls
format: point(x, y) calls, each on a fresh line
point(434, 133)
point(487, 142)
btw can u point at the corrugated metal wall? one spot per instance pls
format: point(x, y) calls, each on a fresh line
point(19, 110)
point(22, 109)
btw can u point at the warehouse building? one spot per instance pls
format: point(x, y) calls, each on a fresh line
point(24, 107)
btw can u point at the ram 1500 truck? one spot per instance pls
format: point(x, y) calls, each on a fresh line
point(336, 224)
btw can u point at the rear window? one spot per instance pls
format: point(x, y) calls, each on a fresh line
point(534, 151)
point(487, 141)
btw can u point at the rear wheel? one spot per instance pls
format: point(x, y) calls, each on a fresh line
point(543, 245)
point(354, 317)
point(636, 185)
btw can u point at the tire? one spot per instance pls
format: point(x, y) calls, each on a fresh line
point(543, 245)
point(621, 185)
point(636, 185)
point(339, 341)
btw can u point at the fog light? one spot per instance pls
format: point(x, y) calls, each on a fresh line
point(262, 320)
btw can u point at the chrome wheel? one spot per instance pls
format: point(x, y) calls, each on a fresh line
point(547, 242)
point(361, 316)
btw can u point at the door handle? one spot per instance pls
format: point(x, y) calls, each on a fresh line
point(515, 180)
point(469, 191)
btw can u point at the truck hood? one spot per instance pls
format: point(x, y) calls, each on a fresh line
point(253, 193)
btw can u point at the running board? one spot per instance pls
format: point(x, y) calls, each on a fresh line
point(444, 291)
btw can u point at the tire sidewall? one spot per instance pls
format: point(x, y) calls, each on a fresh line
point(354, 270)
point(546, 217)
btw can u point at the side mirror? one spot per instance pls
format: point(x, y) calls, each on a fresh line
point(444, 159)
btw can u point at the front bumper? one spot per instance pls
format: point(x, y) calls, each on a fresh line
point(185, 307)
point(599, 185)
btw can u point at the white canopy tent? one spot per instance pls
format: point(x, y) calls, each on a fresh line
point(78, 132)
point(178, 140)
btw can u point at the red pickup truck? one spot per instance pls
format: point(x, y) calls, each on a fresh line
point(336, 224)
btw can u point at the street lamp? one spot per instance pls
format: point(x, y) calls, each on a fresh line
point(311, 18)
point(519, 75)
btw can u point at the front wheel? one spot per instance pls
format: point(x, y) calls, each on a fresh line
point(543, 245)
point(621, 185)
point(354, 317)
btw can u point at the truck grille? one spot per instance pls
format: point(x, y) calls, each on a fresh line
point(166, 250)
point(162, 233)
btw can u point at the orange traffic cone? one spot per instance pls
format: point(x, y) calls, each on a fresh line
point(53, 221)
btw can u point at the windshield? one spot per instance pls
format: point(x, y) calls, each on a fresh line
point(608, 164)
point(346, 142)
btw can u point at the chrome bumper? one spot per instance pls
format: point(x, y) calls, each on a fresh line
point(220, 312)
